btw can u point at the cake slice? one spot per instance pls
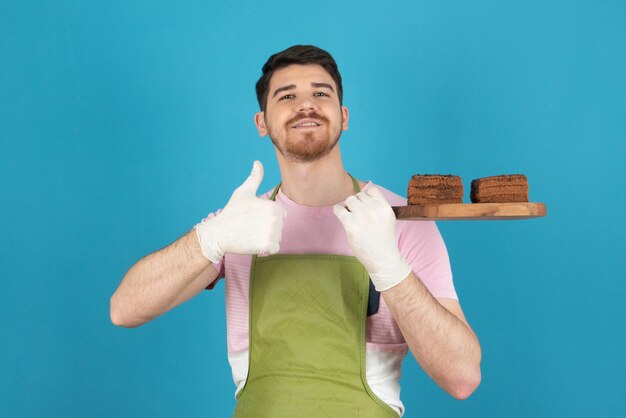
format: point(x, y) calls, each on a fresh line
point(500, 189)
point(430, 189)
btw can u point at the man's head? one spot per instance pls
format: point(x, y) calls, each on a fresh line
point(300, 55)
point(300, 96)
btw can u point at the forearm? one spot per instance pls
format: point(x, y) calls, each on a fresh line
point(151, 285)
point(444, 346)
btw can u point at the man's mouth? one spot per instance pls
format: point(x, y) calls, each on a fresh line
point(306, 124)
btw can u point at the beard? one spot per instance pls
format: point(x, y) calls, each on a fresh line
point(307, 146)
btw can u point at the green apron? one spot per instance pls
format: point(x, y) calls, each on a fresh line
point(307, 338)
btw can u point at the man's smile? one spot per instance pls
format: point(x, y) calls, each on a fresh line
point(306, 123)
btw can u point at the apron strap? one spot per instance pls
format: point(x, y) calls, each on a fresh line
point(355, 183)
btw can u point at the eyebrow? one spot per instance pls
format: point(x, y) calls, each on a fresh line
point(328, 86)
point(293, 86)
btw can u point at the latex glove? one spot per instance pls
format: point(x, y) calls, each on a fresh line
point(370, 225)
point(247, 225)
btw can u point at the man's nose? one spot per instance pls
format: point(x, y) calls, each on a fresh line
point(305, 104)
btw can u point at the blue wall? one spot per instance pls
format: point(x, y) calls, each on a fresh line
point(123, 123)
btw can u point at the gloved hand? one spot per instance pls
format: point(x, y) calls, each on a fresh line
point(370, 226)
point(247, 225)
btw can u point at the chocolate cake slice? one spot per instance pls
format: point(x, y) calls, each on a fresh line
point(429, 189)
point(500, 189)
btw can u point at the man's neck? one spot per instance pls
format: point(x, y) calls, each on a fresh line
point(320, 183)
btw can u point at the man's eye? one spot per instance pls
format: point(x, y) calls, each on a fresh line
point(287, 96)
point(320, 93)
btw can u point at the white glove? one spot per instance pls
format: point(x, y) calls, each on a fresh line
point(370, 225)
point(247, 225)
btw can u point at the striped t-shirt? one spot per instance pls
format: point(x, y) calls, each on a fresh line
point(315, 230)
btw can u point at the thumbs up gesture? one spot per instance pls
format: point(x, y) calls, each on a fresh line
point(247, 225)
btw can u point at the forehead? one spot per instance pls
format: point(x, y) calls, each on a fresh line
point(300, 74)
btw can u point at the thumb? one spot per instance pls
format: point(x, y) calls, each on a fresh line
point(377, 194)
point(250, 186)
point(341, 213)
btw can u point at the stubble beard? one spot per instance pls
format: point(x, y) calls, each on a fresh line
point(307, 147)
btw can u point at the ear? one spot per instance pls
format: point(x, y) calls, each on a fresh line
point(259, 121)
point(345, 114)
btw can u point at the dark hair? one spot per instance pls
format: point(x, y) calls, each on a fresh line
point(297, 54)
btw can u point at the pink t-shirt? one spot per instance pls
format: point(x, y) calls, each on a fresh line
point(315, 230)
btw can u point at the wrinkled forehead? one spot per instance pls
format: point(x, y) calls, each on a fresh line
point(300, 75)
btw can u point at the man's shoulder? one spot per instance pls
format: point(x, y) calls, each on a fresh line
point(393, 198)
point(417, 230)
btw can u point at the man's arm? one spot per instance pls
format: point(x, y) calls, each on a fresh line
point(172, 275)
point(160, 281)
point(438, 336)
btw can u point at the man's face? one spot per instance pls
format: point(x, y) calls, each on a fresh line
point(303, 116)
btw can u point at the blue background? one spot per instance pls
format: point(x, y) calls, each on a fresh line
point(122, 124)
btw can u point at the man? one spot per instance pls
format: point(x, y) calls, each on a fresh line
point(305, 266)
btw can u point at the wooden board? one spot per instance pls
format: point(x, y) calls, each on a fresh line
point(471, 211)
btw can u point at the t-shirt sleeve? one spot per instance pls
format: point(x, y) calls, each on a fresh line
point(422, 245)
point(219, 266)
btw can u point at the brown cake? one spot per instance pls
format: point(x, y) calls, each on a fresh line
point(500, 189)
point(429, 189)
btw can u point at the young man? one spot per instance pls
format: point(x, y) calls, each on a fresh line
point(306, 264)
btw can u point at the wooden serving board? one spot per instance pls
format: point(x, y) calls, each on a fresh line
point(471, 211)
